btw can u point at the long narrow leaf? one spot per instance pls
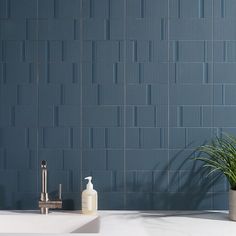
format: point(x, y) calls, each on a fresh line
point(221, 156)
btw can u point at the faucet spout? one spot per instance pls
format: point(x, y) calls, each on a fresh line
point(44, 193)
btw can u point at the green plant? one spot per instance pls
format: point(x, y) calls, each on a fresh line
point(221, 156)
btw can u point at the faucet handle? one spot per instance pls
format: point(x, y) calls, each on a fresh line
point(44, 164)
point(60, 192)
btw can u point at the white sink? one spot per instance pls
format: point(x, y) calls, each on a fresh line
point(30, 222)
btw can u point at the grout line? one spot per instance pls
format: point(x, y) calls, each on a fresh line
point(212, 74)
point(125, 101)
point(168, 93)
point(185, 105)
point(37, 96)
point(81, 95)
point(212, 67)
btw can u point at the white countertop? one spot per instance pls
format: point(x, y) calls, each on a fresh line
point(137, 223)
point(170, 223)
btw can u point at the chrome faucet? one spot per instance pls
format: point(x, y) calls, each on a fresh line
point(44, 202)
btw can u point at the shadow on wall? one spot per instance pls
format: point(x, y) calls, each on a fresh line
point(195, 187)
point(191, 189)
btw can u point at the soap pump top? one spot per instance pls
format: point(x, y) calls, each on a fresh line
point(89, 184)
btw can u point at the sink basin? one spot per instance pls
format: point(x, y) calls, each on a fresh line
point(54, 223)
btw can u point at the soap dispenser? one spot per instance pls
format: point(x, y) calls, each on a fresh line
point(89, 198)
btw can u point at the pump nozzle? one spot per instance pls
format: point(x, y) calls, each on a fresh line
point(89, 178)
point(89, 184)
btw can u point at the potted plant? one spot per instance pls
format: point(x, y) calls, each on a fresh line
point(221, 156)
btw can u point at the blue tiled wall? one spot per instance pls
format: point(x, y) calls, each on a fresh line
point(124, 90)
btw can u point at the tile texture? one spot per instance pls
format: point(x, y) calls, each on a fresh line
point(123, 90)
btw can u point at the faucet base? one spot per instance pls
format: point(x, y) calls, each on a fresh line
point(44, 211)
point(44, 206)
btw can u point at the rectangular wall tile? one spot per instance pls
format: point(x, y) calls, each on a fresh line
point(224, 72)
point(146, 159)
point(192, 29)
point(196, 94)
point(101, 116)
point(69, 116)
point(49, 141)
